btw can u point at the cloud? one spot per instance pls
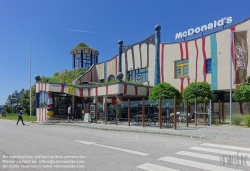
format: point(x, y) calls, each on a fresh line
point(85, 31)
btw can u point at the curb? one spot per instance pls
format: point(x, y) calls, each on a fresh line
point(129, 130)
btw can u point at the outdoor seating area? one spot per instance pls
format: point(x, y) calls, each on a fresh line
point(162, 113)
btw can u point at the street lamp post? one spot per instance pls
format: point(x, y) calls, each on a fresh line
point(30, 81)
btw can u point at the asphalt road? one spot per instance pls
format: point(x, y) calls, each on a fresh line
point(54, 147)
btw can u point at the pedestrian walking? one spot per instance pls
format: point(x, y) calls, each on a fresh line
point(70, 113)
point(20, 116)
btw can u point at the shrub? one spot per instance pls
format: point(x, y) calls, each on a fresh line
point(198, 91)
point(216, 122)
point(214, 118)
point(247, 120)
point(164, 91)
point(237, 119)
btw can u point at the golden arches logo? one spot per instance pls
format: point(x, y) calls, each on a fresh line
point(71, 90)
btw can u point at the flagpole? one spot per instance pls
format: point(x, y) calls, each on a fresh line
point(30, 80)
point(231, 37)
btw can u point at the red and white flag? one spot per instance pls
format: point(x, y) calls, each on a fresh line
point(240, 56)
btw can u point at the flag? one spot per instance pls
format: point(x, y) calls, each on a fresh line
point(240, 56)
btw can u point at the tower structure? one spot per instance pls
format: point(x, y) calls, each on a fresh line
point(83, 56)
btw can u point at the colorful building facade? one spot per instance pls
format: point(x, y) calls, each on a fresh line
point(204, 59)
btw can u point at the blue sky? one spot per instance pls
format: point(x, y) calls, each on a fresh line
point(46, 23)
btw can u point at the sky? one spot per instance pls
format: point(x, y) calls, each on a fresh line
point(38, 33)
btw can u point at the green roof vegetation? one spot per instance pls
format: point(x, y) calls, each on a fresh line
point(65, 76)
point(82, 45)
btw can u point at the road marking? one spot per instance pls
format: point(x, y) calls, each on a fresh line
point(219, 151)
point(203, 156)
point(114, 148)
point(195, 164)
point(198, 155)
point(153, 167)
point(86, 142)
point(226, 146)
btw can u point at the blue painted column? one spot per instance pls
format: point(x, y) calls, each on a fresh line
point(73, 61)
point(119, 74)
point(120, 42)
point(214, 78)
point(91, 60)
point(81, 59)
point(37, 78)
point(157, 54)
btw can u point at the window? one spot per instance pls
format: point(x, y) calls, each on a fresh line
point(86, 60)
point(43, 99)
point(78, 61)
point(138, 75)
point(208, 65)
point(111, 78)
point(181, 68)
point(94, 59)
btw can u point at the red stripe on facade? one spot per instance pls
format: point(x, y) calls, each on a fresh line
point(204, 58)
point(49, 105)
point(136, 90)
point(196, 63)
point(186, 46)
point(162, 63)
point(182, 81)
point(88, 92)
point(107, 90)
point(232, 45)
point(96, 91)
point(81, 92)
point(125, 88)
point(188, 79)
point(62, 88)
point(181, 51)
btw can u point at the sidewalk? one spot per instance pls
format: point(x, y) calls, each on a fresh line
point(217, 133)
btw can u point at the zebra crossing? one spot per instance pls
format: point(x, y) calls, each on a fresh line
point(206, 156)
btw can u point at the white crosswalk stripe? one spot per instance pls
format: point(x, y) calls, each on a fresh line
point(219, 151)
point(204, 156)
point(226, 146)
point(153, 167)
point(195, 164)
point(227, 157)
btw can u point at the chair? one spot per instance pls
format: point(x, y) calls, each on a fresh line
point(168, 119)
point(153, 117)
point(138, 117)
point(171, 117)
